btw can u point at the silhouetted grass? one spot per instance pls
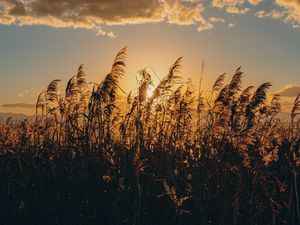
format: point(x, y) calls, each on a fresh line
point(172, 158)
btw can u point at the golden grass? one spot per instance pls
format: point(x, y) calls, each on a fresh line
point(170, 158)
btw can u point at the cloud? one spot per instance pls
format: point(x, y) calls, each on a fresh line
point(291, 90)
point(26, 93)
point(101, 15)
point(23, 93)
point(235, 6)
point(231, 25)
point(287, 11)
point(178, 13)
point(292, 8)
point(205, 27)
point(209, 24)
point(216, 20)
point(254, 2)
point(274, 14)
point(287, 95)
point(18, 105)
point(289, 3)
point(92, 15)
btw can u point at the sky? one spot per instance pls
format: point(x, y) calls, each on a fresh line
point(42, 40)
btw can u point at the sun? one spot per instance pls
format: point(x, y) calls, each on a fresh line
point(150, 91)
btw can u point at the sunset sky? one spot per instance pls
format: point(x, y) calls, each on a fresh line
point(41, 40)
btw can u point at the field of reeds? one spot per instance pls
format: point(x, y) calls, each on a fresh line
point(175, 157)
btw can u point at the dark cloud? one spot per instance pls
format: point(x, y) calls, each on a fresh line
point(95, 14)
point(18, 105)
point(91, 14)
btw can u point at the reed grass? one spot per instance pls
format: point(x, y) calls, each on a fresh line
point(172, 158)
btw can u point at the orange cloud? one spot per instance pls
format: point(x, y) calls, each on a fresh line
point(289, 3)
point(235, 6)
point(293, 10)
point(93, 14)
point(274, 14)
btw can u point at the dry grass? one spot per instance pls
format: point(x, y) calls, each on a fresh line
point(172, 158)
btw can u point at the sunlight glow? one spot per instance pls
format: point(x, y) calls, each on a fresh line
point(150, 91)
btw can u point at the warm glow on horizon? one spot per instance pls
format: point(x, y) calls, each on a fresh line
point(34, 51)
